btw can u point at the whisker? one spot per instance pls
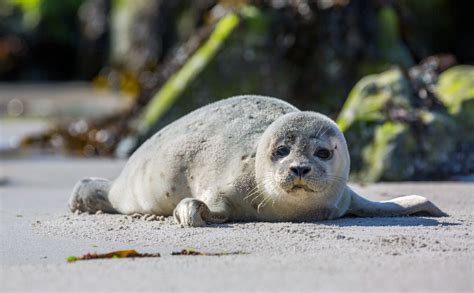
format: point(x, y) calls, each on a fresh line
point(326, 130)
point(253, 199)
point(319, 130)
point(254, 191)
point(263, 203)
point(335, 176)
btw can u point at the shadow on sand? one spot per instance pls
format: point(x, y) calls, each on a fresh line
point(387, 221)
point(349, 221)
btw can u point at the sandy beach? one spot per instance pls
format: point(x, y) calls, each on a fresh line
point(380, 90)
point(399, 254)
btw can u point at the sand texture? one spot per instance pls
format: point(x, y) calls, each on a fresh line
point(399, 254)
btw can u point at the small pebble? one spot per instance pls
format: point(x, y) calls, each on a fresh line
point(151, 218)
point(136, 216)
point(99, 212)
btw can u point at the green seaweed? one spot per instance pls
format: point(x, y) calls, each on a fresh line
point(178, 82)
point(391, 137)
point(377, 154)
point(456, 86)
point(389, 44)
point(370, 95)
point(72, 258)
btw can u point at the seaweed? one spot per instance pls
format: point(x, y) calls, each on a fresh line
point(114, 254)
point(195, 252)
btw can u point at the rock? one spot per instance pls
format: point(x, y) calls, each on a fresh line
point(456, 90)
point(371, 94)
point(393, 135)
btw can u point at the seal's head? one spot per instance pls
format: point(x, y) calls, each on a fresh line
point(301, 159)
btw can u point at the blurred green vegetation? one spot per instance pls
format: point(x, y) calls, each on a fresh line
point(382, 68)
point(396, 131)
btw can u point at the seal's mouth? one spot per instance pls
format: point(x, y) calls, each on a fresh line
point(299, 187)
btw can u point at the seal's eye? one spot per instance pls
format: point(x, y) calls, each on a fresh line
point(323, 154)
point(282, 151)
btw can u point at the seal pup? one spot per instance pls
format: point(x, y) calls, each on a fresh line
point(245, 158)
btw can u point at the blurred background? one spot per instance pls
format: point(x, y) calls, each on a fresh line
point(97, 77)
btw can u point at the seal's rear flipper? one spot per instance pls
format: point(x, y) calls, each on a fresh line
point(91, 195)
point(414, 205)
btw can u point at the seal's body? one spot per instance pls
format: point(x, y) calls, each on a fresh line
point(246, 158)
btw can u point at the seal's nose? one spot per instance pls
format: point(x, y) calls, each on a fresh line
point(300, 170)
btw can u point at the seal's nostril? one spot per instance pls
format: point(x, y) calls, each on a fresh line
point(300, 170)
point(295, 171)
point(304, 170)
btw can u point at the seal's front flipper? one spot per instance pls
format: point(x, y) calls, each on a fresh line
point(91, 195)
point(193, 212)
point(400, 206)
